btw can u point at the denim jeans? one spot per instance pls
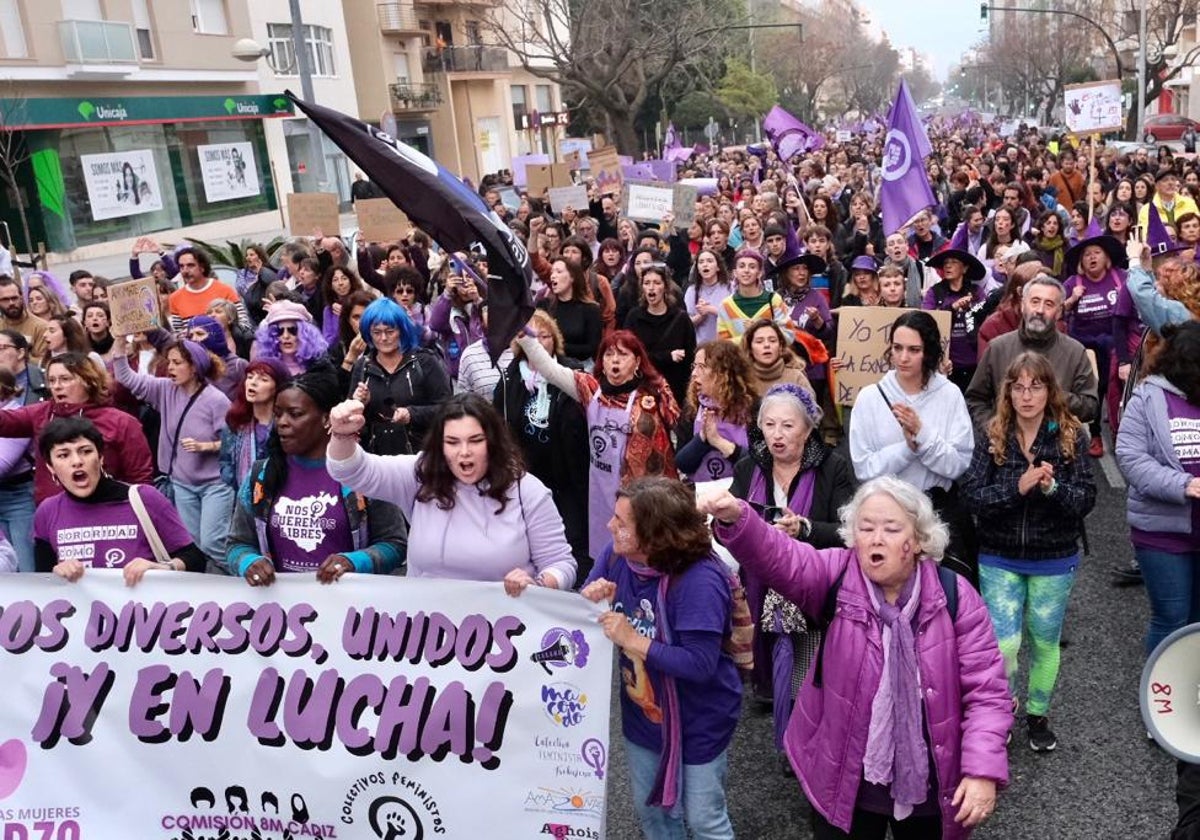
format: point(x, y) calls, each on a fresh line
point(704, 807)
point(206, 511)
point(1173, 587)
point(16, 518)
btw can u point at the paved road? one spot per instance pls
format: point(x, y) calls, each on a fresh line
point(1105, 780)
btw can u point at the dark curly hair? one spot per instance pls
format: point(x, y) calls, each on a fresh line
point(671, 532)
point(505, 466)
point(1176, 361)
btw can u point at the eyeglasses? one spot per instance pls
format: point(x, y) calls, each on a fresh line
point(293, 329)
point(384, 332)
point(8, 347)
point(1036, 389)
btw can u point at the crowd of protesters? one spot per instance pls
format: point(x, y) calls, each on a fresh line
point(894, 554)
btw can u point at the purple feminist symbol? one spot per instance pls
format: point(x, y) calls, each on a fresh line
point(595, 756)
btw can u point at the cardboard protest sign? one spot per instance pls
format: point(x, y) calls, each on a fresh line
point(308, 212)
point(133, 307)
point(685, 205)
point(1093, 107)
point(647, 202)
point(521, 164)
point(862, 343)
point(538, 178)
point(575, 197)
point(380, 220)
point(606, 169)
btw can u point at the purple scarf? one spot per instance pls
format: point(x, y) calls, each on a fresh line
point(800, 502)
point(896, 752)
point(668, 783)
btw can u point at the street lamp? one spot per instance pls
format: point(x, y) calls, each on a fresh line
point(247, 49)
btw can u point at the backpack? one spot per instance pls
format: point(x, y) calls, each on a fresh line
point(947, 577)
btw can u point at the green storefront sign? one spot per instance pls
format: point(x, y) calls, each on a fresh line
point(128, 110)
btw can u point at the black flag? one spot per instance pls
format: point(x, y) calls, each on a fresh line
point(442, 206)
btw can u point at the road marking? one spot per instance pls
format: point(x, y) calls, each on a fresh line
point(1109, 466)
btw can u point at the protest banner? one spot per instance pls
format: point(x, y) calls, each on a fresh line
point(308, 212)
point(133, 306)
point(844, 135)
point(121, 183)
point(197, 706)
point(1093, 107)
point(606, 169)
point(380, 220)
point(685, 204)
point(647, 202)
point(544, 176)
point(862, 343)
point(575, 197)
point(228, 171)
point(574, 146)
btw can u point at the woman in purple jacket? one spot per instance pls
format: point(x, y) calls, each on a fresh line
point(912, 676)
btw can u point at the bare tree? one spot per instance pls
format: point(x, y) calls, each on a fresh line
point(1167, 51)
point(610, 54)
point(14, 153)
point(804, 76)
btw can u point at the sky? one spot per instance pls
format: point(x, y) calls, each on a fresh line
point(942, 28)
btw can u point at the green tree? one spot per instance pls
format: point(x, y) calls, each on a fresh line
point(745, 93)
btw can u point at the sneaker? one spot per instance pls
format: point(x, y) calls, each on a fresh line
point(1096, 447)
point(1041, 739)
point(1125, 575)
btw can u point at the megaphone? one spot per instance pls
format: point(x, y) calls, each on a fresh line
point(1170, 694)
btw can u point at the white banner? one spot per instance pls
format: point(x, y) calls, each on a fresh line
point(645, 203)
point(228, 171)
point(121, 184)
point(1093, 107)
point(195, 706)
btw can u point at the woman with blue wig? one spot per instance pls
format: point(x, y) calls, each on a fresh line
point(398, 381)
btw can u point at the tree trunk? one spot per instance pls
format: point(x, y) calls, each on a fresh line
point(624, 135)
point(10, 181)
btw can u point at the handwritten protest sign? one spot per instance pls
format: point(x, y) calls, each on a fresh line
point(862, 343)
point(380, 220)
point(606, 169)
point(645, 202)
point(575, 197)
point(299, 710)
point(1093, 107)
point(133, 306)
point(685, 205)
point(313, 211)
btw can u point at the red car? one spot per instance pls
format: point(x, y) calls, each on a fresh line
point(1167, 127)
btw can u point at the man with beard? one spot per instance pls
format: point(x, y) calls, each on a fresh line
point(1041, 307)
point(16, 317)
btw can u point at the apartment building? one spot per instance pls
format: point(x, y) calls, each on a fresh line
point(428, 73)
point(137, 119)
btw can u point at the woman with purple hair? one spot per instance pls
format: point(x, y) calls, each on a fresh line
point(193, 414)
point(289, 335)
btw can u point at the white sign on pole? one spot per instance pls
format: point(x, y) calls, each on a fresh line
point(121, 183)
point(228, 171)
point(1093, 107)
point(645, 203)
point(575, 197)
point(374, 707)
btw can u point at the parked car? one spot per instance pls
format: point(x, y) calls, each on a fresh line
point(1167, 127)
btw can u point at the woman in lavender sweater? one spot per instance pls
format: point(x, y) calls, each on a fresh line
point(473, 512)
point(193, 414)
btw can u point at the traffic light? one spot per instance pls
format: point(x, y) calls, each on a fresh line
point(983, 7)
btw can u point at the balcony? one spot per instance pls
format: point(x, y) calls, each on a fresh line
point(98, 48)
point(414, 98)
point(471, 59)
point(398, 19)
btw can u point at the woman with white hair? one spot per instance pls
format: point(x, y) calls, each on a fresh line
point(796, 483)
point(903, 718)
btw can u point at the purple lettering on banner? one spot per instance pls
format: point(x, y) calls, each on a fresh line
point(504, 657)
point(490, 723)
point(194, 706)
point(308, 708)
point(147, 703)
point(363, 692)
point(432, 638)
point(450, 724)
point(300, 639)
point(263, 705)
point(439, 648)
point(401, 715)
point(71, 704)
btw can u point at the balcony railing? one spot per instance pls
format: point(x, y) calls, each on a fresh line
point(398, 18)
point(469, 59)
point(97, 42)
point(409, 97)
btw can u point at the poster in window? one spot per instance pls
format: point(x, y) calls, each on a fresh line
point(228, 171)
point(121, 184)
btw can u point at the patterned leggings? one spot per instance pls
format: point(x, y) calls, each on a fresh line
point(1039, 602)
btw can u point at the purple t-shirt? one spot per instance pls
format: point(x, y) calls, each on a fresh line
point(107, 535)
point(964, 347)
point(1091, 322)
point(1183, 419)
point(1126, 309)
point(698, 601)
point(308, 522)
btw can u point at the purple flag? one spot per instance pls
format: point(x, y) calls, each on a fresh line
point(905, 190)
point(673, 149)
point(442, 206)
point(788, 135)
point(670, 139)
